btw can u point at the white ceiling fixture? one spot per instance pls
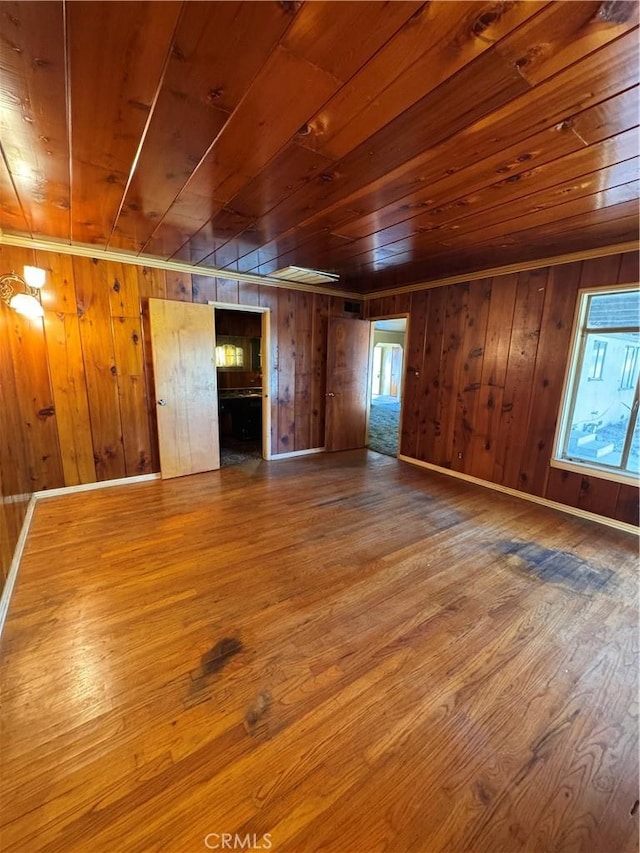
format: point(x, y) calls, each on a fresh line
point(304, 275)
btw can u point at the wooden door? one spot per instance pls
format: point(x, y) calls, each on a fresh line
point(184, 362)
point(348, 348)
point(396, 371)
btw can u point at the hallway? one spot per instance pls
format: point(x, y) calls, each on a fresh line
point(384, 423)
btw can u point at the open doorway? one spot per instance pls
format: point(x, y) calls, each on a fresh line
point(387, 368)
point(240, 338)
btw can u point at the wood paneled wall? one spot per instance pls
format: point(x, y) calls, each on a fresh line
point(490, 357)
point(16, 451)
point(77, 389)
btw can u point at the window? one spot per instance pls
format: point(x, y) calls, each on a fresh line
point(229, 355)
point(599, 419)
point(629, 368)
point(599, 350)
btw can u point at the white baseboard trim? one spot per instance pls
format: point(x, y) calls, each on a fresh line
point(294, 453)
point(7, 590)
point(570, 510)
point(89, 487)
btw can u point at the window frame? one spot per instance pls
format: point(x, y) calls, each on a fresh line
point(632, 360)
point(570, 391)
point(600, 348)
point(239, 344)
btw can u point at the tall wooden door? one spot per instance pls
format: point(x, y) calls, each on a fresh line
point(348, 348)
point(396, 371)
point(184, 363)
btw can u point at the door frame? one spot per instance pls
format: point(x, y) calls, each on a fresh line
point(373, 320)
point(265, 346)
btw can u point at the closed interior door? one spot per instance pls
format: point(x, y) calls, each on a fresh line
point(348, 348)
point(396, 371)
point(184, 362)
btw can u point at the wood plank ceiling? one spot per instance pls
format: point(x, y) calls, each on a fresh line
point(389, 142)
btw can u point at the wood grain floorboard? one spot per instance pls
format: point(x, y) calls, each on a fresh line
point(343, 652)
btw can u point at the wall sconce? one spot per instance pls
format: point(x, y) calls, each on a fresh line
point(23, 294)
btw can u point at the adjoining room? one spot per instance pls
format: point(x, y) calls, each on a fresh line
point(387, 369)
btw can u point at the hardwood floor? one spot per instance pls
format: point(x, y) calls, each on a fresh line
point(333, 653)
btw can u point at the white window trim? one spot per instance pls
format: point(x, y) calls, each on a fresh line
point(587, 469)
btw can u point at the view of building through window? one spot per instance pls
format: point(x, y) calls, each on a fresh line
point(229, 355)
point(600, 422)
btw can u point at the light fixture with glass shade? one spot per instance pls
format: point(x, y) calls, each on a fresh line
point(22, 293)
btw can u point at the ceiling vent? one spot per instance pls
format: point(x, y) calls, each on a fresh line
point(302, 275)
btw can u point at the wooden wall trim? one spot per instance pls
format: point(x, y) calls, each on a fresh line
point(570, 510)
point(602, 252)
point(292, 454)
point(82, 251)
point(7, 590)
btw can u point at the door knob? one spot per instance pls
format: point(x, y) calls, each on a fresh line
point(162, 402)
point(330, 394)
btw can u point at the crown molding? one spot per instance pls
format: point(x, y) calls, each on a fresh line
point(603, 251)
point(85, 251)
point(82, 250)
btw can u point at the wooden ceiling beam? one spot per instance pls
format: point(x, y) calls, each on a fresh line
point(355, 136)
point(509, 199)
point(551, 221)
point(563, 34)
point(299, 75)
point(506, 202)
point(547, 108)
point(617, 223)
point(539, 162)
point(117, 56)
point(411, 65)
point(203, 85)
point(34, 135)
point(12, 217)
point(495, 86)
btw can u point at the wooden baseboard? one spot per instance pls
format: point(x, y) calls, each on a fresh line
point(570, 510)
point(295, 453)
